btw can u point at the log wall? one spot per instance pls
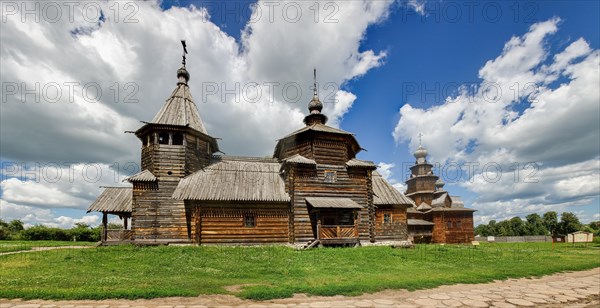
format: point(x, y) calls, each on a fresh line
point(311, 183)
point(224, 223)
point(396, 230)
point(156, 216)
point(443, 234)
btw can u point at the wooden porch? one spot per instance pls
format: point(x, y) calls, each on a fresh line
point(337, 234)
point(334, 221)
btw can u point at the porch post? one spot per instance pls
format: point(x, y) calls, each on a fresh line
point(125, 222)
point(318, 226)
point(197, 225)
point(104, 226)
point(355, 215)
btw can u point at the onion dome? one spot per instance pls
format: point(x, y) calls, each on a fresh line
point(421, 152)
point(439, 183)
point(315, 106)
point(182, 75)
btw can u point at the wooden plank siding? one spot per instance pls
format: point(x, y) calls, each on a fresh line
point(312, 184)
point(224, 223)
point(455, 234)
point(156, 216)
point(396, 230)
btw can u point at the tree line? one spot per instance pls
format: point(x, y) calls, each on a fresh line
point(534, 224)
point(15, 230)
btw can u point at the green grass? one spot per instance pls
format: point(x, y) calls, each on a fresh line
point(8, 246)
point(273, 272)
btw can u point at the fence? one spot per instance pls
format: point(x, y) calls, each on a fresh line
point(514, 239)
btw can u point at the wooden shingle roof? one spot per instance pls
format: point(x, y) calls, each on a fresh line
point(424, 207)
point(317, 127)
point(452, 209)
point(299, 159)
point(180, 109)
point(144, 176)
point(235, 179)
point(440, 200)
point(360, 163)
point(457, 201)
point(419, 222)
point(113, 200)
point(333, 203)
point(384, 193)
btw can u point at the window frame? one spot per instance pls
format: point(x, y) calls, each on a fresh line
point(387, 218)
point(249, 218)
point(163, 134)
point(329, 176)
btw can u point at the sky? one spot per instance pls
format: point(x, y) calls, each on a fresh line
point(504, 93)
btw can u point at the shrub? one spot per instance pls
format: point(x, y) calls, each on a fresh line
point(40, 233)
point(86, 234)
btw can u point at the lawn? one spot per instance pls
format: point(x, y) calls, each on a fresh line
point(8, 246)
point(273, 272)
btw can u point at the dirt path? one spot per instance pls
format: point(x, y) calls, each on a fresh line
point(574, 289)
point(36, 249)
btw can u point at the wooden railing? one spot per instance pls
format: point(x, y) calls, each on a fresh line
point(421, 232)
point(331, 231)
point(118, 235)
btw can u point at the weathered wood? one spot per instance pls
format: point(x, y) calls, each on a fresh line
point(104, 226)
point(396, 228)
point(224, 223)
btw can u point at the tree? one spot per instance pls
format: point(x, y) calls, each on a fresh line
point(482, 230)
point(492, 228)
point(535, 225)
point(15, 226)
point(551, 222)
point(569, 223)
point(517, 226)
point(3, 230)
point(595, 226)
point(81, 225)
point(504, 228)
point(114, 226)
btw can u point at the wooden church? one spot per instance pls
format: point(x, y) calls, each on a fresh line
point(313, 191)
point(437, 216)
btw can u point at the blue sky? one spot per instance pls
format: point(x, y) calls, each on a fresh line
point(424, 44)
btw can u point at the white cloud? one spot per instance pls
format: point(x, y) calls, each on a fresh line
point(418, 6)
point(385, 169)
point(31, 216)
point(138, 60)
point(519, 118)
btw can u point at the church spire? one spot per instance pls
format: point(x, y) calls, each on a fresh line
point(182, 74)
point(315, 82)
point(180, 109)
point(315, 106)
point(421, 153)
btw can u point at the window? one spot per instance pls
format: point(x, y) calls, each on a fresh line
point(163, 138)
point(177, 139)
point(330, 176)
point(459, 224)
point(249, 221)
point(449, 225)
point(387, 218)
